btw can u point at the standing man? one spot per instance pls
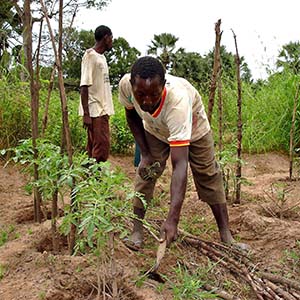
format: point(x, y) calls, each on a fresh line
point(96, 98)
point(166, 116)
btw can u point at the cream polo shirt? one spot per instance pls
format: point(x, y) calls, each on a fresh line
point(180, 118)
point(94, 74)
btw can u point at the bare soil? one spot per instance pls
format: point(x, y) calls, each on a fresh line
point(267, 219)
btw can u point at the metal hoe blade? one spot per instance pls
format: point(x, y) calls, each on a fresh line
point(159, 255)
point(152, 272)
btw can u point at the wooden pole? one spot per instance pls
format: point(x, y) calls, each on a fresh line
point(216, 71)
point(239, 125)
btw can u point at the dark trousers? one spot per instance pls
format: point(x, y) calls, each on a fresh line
point(205, 169)
point(98, 143)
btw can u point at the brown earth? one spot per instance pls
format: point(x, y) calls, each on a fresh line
point(267, 219)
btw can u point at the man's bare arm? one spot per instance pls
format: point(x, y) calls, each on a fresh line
point(179, 159)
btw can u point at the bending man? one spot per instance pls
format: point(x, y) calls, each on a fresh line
point(167, 117)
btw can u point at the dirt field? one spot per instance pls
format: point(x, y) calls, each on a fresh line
point(267, 220)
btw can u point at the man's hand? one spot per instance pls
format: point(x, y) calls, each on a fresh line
point(150, 172)
point(168, 232)
point(87, 121)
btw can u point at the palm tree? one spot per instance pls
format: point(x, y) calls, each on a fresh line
point(289, 57)
point(163, 46)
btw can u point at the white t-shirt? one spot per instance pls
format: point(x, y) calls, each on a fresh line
point(180, 118)
point(94, 74)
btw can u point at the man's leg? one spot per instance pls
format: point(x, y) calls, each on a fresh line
point(221, 215)
point(100, 138)
point(160, 152)
point(209, 184)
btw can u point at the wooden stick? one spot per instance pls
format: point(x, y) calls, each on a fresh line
point(279, 279)
point(223, 294)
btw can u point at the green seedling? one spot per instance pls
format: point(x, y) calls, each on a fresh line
point(2, 271)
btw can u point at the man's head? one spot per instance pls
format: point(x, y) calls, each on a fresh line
point(148, 81)
point(104, 35)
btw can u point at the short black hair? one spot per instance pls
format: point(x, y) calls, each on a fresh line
point(101, 31)
point(148, 67)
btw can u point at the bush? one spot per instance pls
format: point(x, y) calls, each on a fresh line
point(122, 140)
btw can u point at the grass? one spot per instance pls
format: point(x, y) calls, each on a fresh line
point(3, 237)
point(7, 233)
point(197, 225)
point(190, 285)
point(292, 257)
point(3, 270)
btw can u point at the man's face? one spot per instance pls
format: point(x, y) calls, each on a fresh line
point(109, 42)
point(147, 92)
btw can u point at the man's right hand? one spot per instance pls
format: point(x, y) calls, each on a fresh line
point(87, 121)
point(168, 232)
point(148, 168)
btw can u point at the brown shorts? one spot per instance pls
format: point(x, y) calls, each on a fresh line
point(98, 143)
point(205, 169)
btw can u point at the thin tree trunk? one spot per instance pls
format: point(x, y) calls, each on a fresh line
point(220, 110)
point(216, 71)
point(239, 125)
point(113, 267)
point(37, 69)
point(66, 127)
point(50, 87)
point(54, 214)
point(292, 133)
point(27, 44)
point(45, 117)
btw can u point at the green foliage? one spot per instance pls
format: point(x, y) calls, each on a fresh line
point(54, 170)
point(197, 225)
point(3, 271)
point(266, 113)
point(289, 57)
point(198, 69)
point(120, 59)
point(188, 286)
point(10, 27)
point(163, 46)
point(193, 67)
point(100, 197)
point(292, 257)
point(42, 295)
point(3, 237)
point(14, 112)
point(6, 234)
point(75, 44)
point(122, 140)
point(100, 207)
point(266, 105)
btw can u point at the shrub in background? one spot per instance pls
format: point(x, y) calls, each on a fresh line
point(266, 112)
point(122, 140)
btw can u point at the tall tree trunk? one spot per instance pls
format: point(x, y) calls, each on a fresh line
point(239, 126)
point(66, 127)
point(27, 44)
point(292, 133)
point(216, 71)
